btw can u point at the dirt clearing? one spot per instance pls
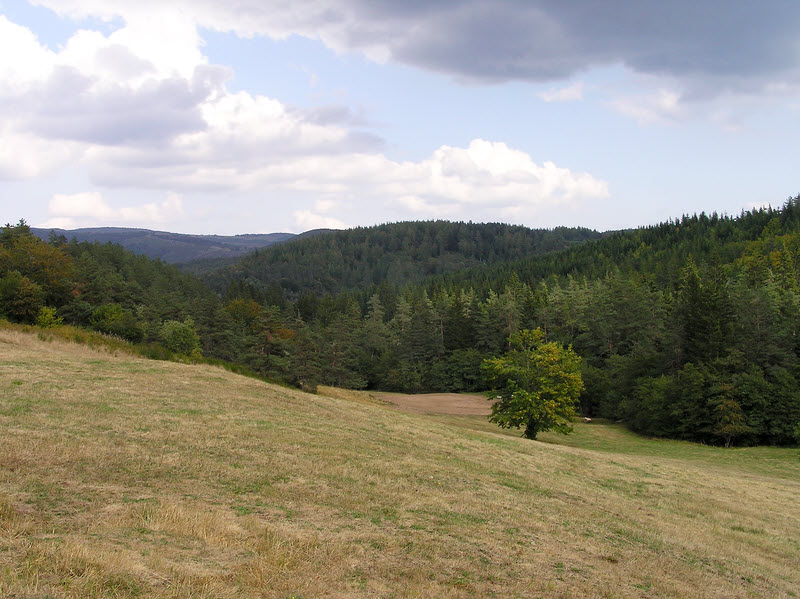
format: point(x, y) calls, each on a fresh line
point(439, 403)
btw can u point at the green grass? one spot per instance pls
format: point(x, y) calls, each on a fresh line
point(121, 477)
point(614, 439)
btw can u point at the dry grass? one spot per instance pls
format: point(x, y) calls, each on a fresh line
point(121, 477)
point(462, 404)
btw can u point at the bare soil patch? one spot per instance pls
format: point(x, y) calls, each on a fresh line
point(439, 403)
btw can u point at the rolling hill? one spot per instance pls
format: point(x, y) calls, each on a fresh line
point(174, 248)
point(397, 254)
point(128, 478)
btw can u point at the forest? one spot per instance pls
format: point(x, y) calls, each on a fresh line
point(398, 254)
point(687, 329)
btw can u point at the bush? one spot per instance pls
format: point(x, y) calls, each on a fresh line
point(114, 320)
point(181, 337)
point(20, 298)
point(47, 318)
point(77, 312)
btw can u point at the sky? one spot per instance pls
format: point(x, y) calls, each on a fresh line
point(212, 117)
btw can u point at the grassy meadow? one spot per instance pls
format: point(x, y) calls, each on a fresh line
point(124, 477)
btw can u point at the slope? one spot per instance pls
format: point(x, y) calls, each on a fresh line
point(132, 478)
point(657, 251)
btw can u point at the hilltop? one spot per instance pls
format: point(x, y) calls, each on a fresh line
point(394, 254)
point(133, 478)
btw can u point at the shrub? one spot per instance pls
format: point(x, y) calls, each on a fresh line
point(47, 318)
point(114, 320)
point(181, 337)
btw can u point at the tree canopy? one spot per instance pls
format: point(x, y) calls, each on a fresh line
point(535, 385)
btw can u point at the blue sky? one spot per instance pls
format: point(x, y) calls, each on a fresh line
point(240, 117)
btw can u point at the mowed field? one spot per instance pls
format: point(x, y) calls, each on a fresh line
point(439, 403)
point(122, 477)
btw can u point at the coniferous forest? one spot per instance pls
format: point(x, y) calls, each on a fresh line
point(687, 329)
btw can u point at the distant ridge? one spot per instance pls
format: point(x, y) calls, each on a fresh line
point(174, 248)
point(397, 253)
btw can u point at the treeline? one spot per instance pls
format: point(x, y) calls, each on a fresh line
point(399, 254)
point(687, 329)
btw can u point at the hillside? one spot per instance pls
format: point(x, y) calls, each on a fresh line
point(174, 248)
point(657, 251)
point(396, 254)
point(203, 266)
point(131, 478)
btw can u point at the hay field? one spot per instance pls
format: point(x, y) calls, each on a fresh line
point(463, 404)
point(122, 477)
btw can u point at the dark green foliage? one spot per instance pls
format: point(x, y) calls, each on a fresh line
point(181, 337)
point(114, 320)
point(20, 298)
point(397, 254)
point(32, 274)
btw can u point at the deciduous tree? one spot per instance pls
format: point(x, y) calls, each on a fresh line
point(538, 383)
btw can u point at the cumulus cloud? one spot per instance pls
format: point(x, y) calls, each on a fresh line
point(143, 109)
point(492, 173)
point(128, 103)
point(156, 111)
point(145, 94)
point(86, 209)
point(485, 174)
point(22, 58)
point(26, 156)
point(97, 90)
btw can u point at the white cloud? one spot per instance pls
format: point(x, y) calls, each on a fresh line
point(563, 94)
point(326, 205)
point(145, 96)
point(484, 173)
point(26, 156)
point(486, 176)
point(660, 106)
point(307, 220)
point(491, 173)
point(22, 58)
point(139, 85)
point(87, 209)
point(419, 207)
point(87, 205)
